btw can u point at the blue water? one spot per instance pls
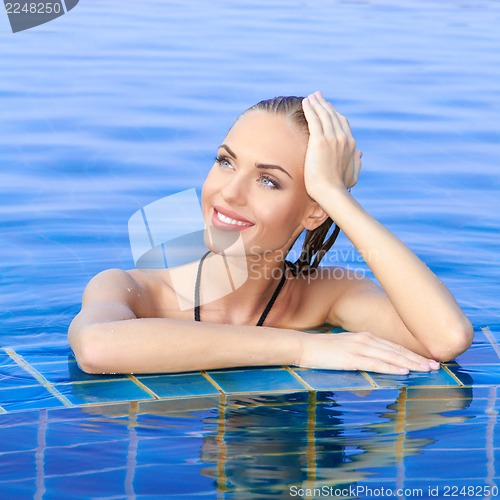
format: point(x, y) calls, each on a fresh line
point(117, 104)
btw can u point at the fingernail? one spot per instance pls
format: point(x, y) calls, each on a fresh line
point(425, 366)
point(404, 371)
point(434, 365)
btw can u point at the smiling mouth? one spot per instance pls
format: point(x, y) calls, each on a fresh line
point(229, 221)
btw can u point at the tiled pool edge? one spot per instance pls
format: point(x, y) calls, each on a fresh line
point(60, 383)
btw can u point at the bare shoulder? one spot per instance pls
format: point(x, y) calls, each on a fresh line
point(323, 291)
point(352, 301)
point(110, 284)
point(334, 282)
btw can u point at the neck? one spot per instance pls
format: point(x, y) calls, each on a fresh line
point(236, 289)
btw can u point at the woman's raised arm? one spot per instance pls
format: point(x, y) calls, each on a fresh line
point(417, 310)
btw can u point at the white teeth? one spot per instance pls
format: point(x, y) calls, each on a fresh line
point(228, 220)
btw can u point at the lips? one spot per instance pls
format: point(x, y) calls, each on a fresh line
point(228, 220)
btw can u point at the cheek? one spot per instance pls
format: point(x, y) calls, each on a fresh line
point(281, 217)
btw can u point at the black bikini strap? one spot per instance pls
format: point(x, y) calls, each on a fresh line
point(274, 297)
point(197, 289)
point(268, 306)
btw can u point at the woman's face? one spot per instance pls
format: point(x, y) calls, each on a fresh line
point(256, 186)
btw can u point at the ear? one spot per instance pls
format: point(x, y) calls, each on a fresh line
point(315, 216)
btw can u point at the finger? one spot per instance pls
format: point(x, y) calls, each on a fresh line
point(401, 356)
point(371, 346)
point(397, 348)
point(339, 121)
point(379, 366)
point(343, 122)
point(395, 360)
point(313, 120)
point(327, 120)
point(346, 126)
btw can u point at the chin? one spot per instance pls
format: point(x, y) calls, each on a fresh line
point(228, 242)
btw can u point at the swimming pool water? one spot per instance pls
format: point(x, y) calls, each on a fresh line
point(117, 104)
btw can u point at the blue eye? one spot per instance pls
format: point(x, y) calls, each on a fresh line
point(268, 182)
point(223, 162)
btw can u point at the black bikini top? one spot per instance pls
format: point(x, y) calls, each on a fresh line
point(268, 307)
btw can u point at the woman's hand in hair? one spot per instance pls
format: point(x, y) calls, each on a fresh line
point(360, 351)
point(332, 161)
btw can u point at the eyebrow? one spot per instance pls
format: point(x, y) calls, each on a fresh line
point(264, 166)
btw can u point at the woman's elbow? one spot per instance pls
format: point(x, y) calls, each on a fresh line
point(458, 340)
point(88, 348)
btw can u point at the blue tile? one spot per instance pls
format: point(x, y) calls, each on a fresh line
point(19, 489)
point(25, 398)
point(477, 374)
point(438, 378)
point(17, 466)
point(93, 429)
point(257, 380)
point(76, 459)
point(437, 464)
point(465, 435)
point(167, 452)
point(182, 385)
point(15, 376)
point(164, 406)
point(22, 437)
point(19, 418)
point(111, 483)
point(102, 392)
point(362, 396)
point(323, 380)
point(5, 359)
point(282, 399)
point(117, 411)
point(68, 371)
point(450, 393)
point(190, 481)
point(45, 353)
point(478, 354)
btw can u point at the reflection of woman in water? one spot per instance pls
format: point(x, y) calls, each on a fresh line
point(265, 449)
point(285, 166)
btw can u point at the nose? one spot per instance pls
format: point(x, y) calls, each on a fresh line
point(234, 191)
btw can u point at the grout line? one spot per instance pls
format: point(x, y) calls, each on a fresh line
point(491, 339)
point(56, 362)
point(212, 381)
point(372, 382)
point(143, 386)
point(452, 375)
point(38, 376)
point(310, 388)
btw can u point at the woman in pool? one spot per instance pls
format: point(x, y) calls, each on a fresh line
point(286, 165)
